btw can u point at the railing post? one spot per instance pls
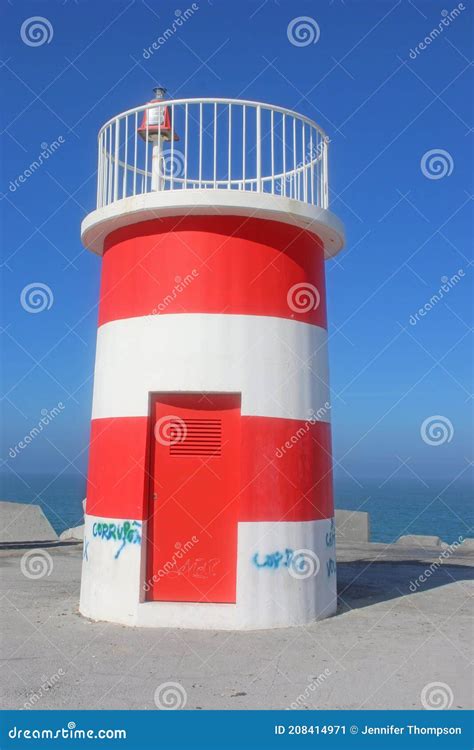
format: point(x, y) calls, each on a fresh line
point(214, 171)
point(304, 172)
point(259, 148)
point(109, 168)
point(145, 176)
point(185, 184)
point(272, 149)
point(229, 150)
point(116, 158)
point(244, 144)
point(156, 165)
point(200, 144)
point(325, 197)
point(125, 160)
point(135, 152)
point(172, 148)
point(294, 194)
point(99, 173)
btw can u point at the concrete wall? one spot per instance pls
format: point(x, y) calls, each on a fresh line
point(352, 526)
point(21, 522)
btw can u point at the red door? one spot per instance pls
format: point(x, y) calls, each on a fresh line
point(194, 487)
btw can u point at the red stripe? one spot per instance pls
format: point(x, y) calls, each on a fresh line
point(285, 469)
point(116, 481)
point(212, 264)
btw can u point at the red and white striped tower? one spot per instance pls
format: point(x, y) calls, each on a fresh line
point(209, 501)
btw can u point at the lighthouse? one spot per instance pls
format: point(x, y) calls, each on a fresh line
point(209, 496)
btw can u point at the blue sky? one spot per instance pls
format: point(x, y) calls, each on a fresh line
point(383, 111)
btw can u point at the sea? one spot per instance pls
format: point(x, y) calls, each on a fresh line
point(398, 507)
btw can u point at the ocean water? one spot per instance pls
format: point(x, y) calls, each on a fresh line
point(395, 508)
point(406, 506)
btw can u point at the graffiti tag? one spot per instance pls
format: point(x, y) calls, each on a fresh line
point(331, 535)
point(274, 560)
point(197, 568)
point(330, 567)
point(127, 532)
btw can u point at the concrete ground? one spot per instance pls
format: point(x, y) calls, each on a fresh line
point(383, 649)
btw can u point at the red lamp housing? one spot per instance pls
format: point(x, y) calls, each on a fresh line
point(157, 122)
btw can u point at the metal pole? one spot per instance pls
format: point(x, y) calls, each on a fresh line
point(155, 165)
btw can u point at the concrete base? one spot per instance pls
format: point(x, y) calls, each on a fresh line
point(22, 522)
point(271, 593)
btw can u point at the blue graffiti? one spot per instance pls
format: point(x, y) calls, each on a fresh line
point(331, 535)
point(127, 532)
point(85, 553)
point(330, 567)
point(274, 560)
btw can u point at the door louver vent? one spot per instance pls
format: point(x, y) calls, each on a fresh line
point(195, 437)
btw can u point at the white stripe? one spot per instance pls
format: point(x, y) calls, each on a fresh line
point(278, 365)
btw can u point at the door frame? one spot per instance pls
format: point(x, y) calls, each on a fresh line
point(145, 595)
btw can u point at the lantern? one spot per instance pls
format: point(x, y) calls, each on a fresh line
point(156, 121)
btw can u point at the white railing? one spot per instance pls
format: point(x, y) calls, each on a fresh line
point(224, 144)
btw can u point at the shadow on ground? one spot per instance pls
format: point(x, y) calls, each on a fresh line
point(364, 582)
